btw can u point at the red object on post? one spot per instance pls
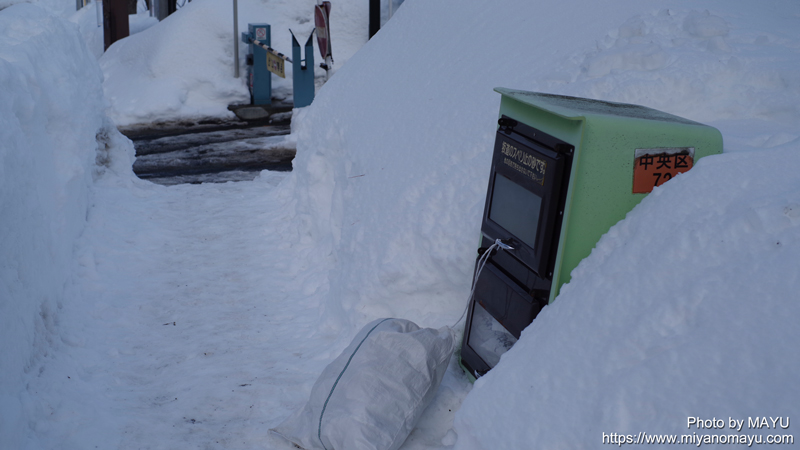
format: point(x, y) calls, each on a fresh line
point(322, 15)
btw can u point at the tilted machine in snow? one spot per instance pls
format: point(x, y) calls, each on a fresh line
point(564, 170)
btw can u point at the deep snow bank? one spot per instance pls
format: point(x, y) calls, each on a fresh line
point(182, 68)
point(392, 168)
point(393, 156)
point(51, 108)
point(86, 19)
point(686, 308)
point(61, 8)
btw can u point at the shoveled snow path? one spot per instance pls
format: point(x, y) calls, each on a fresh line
point(196, 323)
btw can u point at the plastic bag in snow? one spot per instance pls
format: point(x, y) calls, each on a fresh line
point(372, 395)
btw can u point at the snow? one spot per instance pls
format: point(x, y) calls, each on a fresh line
point(703, 327)
point(189, 336)
point(59, 7)
point(439, 193)
point(183, 67)
point(398, 204)
point(86, 19)
point(50, 112)
point(135, 315)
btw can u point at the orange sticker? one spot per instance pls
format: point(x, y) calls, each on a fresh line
point(655, 166)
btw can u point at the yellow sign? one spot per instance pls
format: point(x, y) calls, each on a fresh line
point(275, 65)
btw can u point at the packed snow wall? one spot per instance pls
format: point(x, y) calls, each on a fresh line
point(51, 109)
point(393, 156)
point(687, 308)
point(392, 169)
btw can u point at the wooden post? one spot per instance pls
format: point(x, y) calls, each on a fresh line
point(115, 21)
point(374, 17)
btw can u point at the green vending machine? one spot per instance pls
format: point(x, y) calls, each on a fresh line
point(564, 170)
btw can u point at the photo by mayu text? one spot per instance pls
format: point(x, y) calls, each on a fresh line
point(732, 435)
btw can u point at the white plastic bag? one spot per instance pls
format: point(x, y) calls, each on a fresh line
point(372, 395)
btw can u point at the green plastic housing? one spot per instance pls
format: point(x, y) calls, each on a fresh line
point(606, 136)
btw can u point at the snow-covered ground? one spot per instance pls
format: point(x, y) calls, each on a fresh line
point(183, 67)
point(141, 316)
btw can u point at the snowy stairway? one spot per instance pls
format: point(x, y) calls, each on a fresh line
point(211, 155)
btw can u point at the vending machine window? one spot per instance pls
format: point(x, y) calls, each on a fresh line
point(524, 208)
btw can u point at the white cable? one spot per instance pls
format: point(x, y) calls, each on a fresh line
point(481, 263)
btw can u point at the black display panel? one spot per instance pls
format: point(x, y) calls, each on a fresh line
point(524, 202)
point(516, 209)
